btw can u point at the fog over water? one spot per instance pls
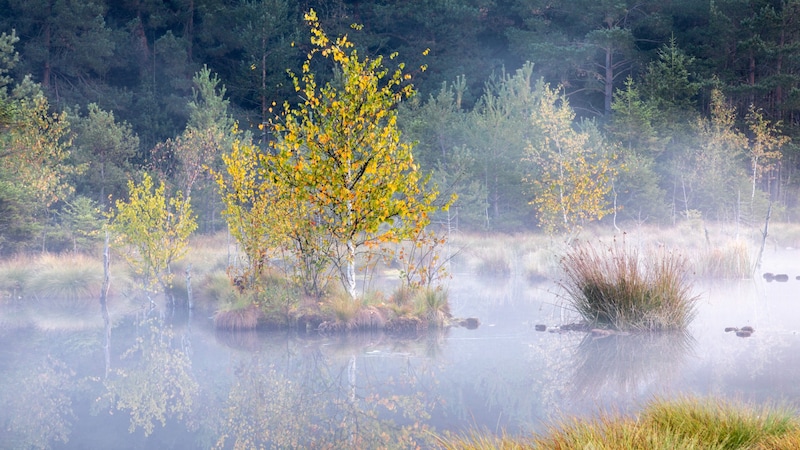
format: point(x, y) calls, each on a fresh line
point(176, 383)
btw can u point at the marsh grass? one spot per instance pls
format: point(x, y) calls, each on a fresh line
point(240, 315)
point(366, 314)
point(212, 290)
point(684, 423)
point(483, 441)
point(717, 424)
point(343, 308)
point(207, 254)
point(615, 287)
point(494, 265)
point(530, 256)
point(433, 306)
point(732, 260)
point(783, 234)
point(59, 281)
point(14, 276)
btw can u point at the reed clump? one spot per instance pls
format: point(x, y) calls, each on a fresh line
point(67, 280)
point(239, 316)
point(432, 305)
point(616, 287)
point(730, 261)
point(347, 314)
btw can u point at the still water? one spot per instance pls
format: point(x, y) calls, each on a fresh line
point(172, 382)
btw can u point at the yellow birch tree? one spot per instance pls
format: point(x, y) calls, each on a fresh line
point(571, 176)
point(339, 155)
point(765, 145)
point(152, 230)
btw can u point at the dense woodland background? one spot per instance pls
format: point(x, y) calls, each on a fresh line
point(695, 104)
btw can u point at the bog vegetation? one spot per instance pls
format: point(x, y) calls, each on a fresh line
point(663, 424)
point(347, 163)
point(620, 287)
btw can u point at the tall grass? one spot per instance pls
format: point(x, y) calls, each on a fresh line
point(616, 287)
point(240, 315)
point(350, 314)
point(69, 280)
point(14, 276)
point(685, 423)
point(717, 424)
point(730, 261)
point(433, 305)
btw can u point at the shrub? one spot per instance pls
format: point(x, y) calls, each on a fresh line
point(618, 289)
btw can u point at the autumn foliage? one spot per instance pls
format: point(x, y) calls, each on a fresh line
point(337, 180)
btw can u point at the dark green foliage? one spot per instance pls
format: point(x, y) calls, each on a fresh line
point(133, 61)
point(16, 227)
point(107, 148)
point(82, 220)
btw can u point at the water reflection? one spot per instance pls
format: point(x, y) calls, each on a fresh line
point(154, 380)
point(37, 404)
point(323, 394)
point(174, 381)
point(626, 365)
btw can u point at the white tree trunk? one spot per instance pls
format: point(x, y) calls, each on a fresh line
point(351, 270)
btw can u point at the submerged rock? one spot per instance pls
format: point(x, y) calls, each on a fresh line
point(470, 323)
point(745, 331)
point(600, 332)
point(580, 326)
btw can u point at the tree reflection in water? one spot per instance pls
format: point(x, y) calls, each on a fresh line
point(154, 381)
point(312, 398)
point(37, 405)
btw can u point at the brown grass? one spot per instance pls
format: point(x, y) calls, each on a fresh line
point(684, 423)
point(729, 261)
point(616, 287)
point(238, 318)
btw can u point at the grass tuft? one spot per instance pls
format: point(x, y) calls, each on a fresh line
point(731, 261)
point(684, 423)
point(237, 319)
point(71, 281)
point(433, 306)
point(241, 314)
point(615, 287)
point(717, 424)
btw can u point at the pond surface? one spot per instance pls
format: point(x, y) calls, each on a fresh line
point(172, 382)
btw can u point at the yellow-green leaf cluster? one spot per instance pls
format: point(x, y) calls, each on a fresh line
point(152, 229)
point(34, 153)
point(572, 179)
point(339, 160)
